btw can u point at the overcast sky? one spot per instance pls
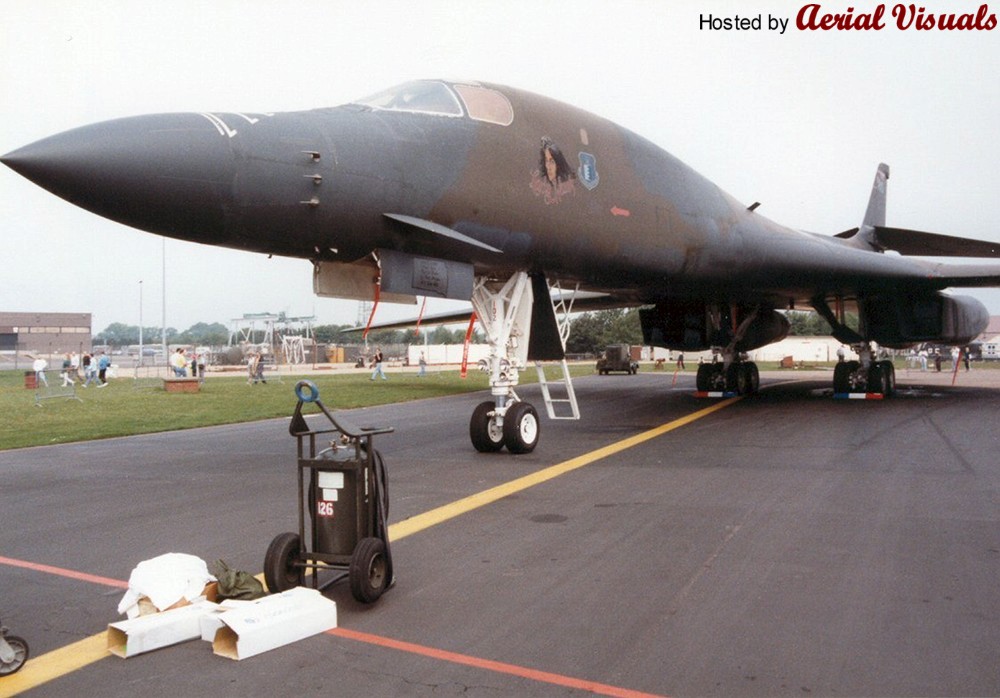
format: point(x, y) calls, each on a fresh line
point(797, 121)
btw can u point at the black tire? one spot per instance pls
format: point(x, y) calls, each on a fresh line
point(890, 377)
point(737, 379)
point(280, 571)
point(840, 372)
point(847, 369)
point(486, 436)
point(703, 380)
point(21, 652)
point(752, 375)
point(520, 428)
point(369, 570)
point(876, 379)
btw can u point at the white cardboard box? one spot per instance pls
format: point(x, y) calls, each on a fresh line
point(274, 621)
point(128, 638)
point(211, 621)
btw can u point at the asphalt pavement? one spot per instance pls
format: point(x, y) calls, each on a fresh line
point(782, 544)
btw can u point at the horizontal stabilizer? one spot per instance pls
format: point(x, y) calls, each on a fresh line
point(446, 318)
point(584, 301)
point(914, 242)
point(440, 230)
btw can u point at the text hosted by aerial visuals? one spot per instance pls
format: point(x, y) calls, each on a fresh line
point(883, 17)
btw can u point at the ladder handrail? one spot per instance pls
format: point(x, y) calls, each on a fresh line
point(550, 401)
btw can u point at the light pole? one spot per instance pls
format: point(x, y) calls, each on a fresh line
point(164, 327)
point(141, 355)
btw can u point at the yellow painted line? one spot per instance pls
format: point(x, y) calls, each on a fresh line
point(433, 517)
point(52, 665)
point(70, 658)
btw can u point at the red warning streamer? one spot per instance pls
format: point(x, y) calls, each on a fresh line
point(954, 373)
point(378, 287)
point(465, 348)
point(420, 316)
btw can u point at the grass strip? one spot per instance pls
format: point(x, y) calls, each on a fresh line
point(121, 410)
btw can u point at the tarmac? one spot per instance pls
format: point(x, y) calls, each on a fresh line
point(781, 544)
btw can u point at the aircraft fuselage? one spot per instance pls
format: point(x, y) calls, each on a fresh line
point(616, 212)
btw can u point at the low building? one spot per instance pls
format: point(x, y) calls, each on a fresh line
point(45, 333)
point(992, 331)
point(810, 349)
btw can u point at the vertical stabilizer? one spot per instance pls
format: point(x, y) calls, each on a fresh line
point(875, 215)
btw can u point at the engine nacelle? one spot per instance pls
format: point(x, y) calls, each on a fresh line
point(697, 326)
point(898, 321)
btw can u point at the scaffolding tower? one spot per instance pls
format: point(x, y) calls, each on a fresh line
point(266, 332)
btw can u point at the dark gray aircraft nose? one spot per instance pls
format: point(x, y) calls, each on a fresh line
point(171, 174)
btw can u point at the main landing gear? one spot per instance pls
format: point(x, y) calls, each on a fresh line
point(734, 373)
point(737, 376)
point(866, 375)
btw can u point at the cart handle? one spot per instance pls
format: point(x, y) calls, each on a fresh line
point(301, 393)
point(355, 432)
point(306, 391)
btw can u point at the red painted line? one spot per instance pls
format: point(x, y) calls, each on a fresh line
point(72, 574)
point(442, 655)
point(490, 665)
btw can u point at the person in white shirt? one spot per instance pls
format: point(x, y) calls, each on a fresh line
point(39, 367)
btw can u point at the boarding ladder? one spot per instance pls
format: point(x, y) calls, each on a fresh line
point(563, 306)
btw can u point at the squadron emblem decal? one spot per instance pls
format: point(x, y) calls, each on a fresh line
point(588, 171)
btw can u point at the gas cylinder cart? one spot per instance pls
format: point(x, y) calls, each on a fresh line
point(13, 652)
point(347, 498)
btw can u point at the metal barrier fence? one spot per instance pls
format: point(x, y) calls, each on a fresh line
point(54, 391)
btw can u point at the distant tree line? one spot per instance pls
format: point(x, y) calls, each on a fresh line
point(806, 323)
point(591, 332)
point(118, 334)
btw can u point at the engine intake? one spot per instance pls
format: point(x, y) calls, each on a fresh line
point(899, 321)
point(697, 326)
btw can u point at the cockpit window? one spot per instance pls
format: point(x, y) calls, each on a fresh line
point(424, 96)
point(484, 104)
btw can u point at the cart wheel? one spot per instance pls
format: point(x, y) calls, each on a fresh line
point(20, 649)
point(520, 428)
point(369, 571)
point(280, 570)
point(486, 436)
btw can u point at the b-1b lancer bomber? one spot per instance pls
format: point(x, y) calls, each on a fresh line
point(529, 208)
